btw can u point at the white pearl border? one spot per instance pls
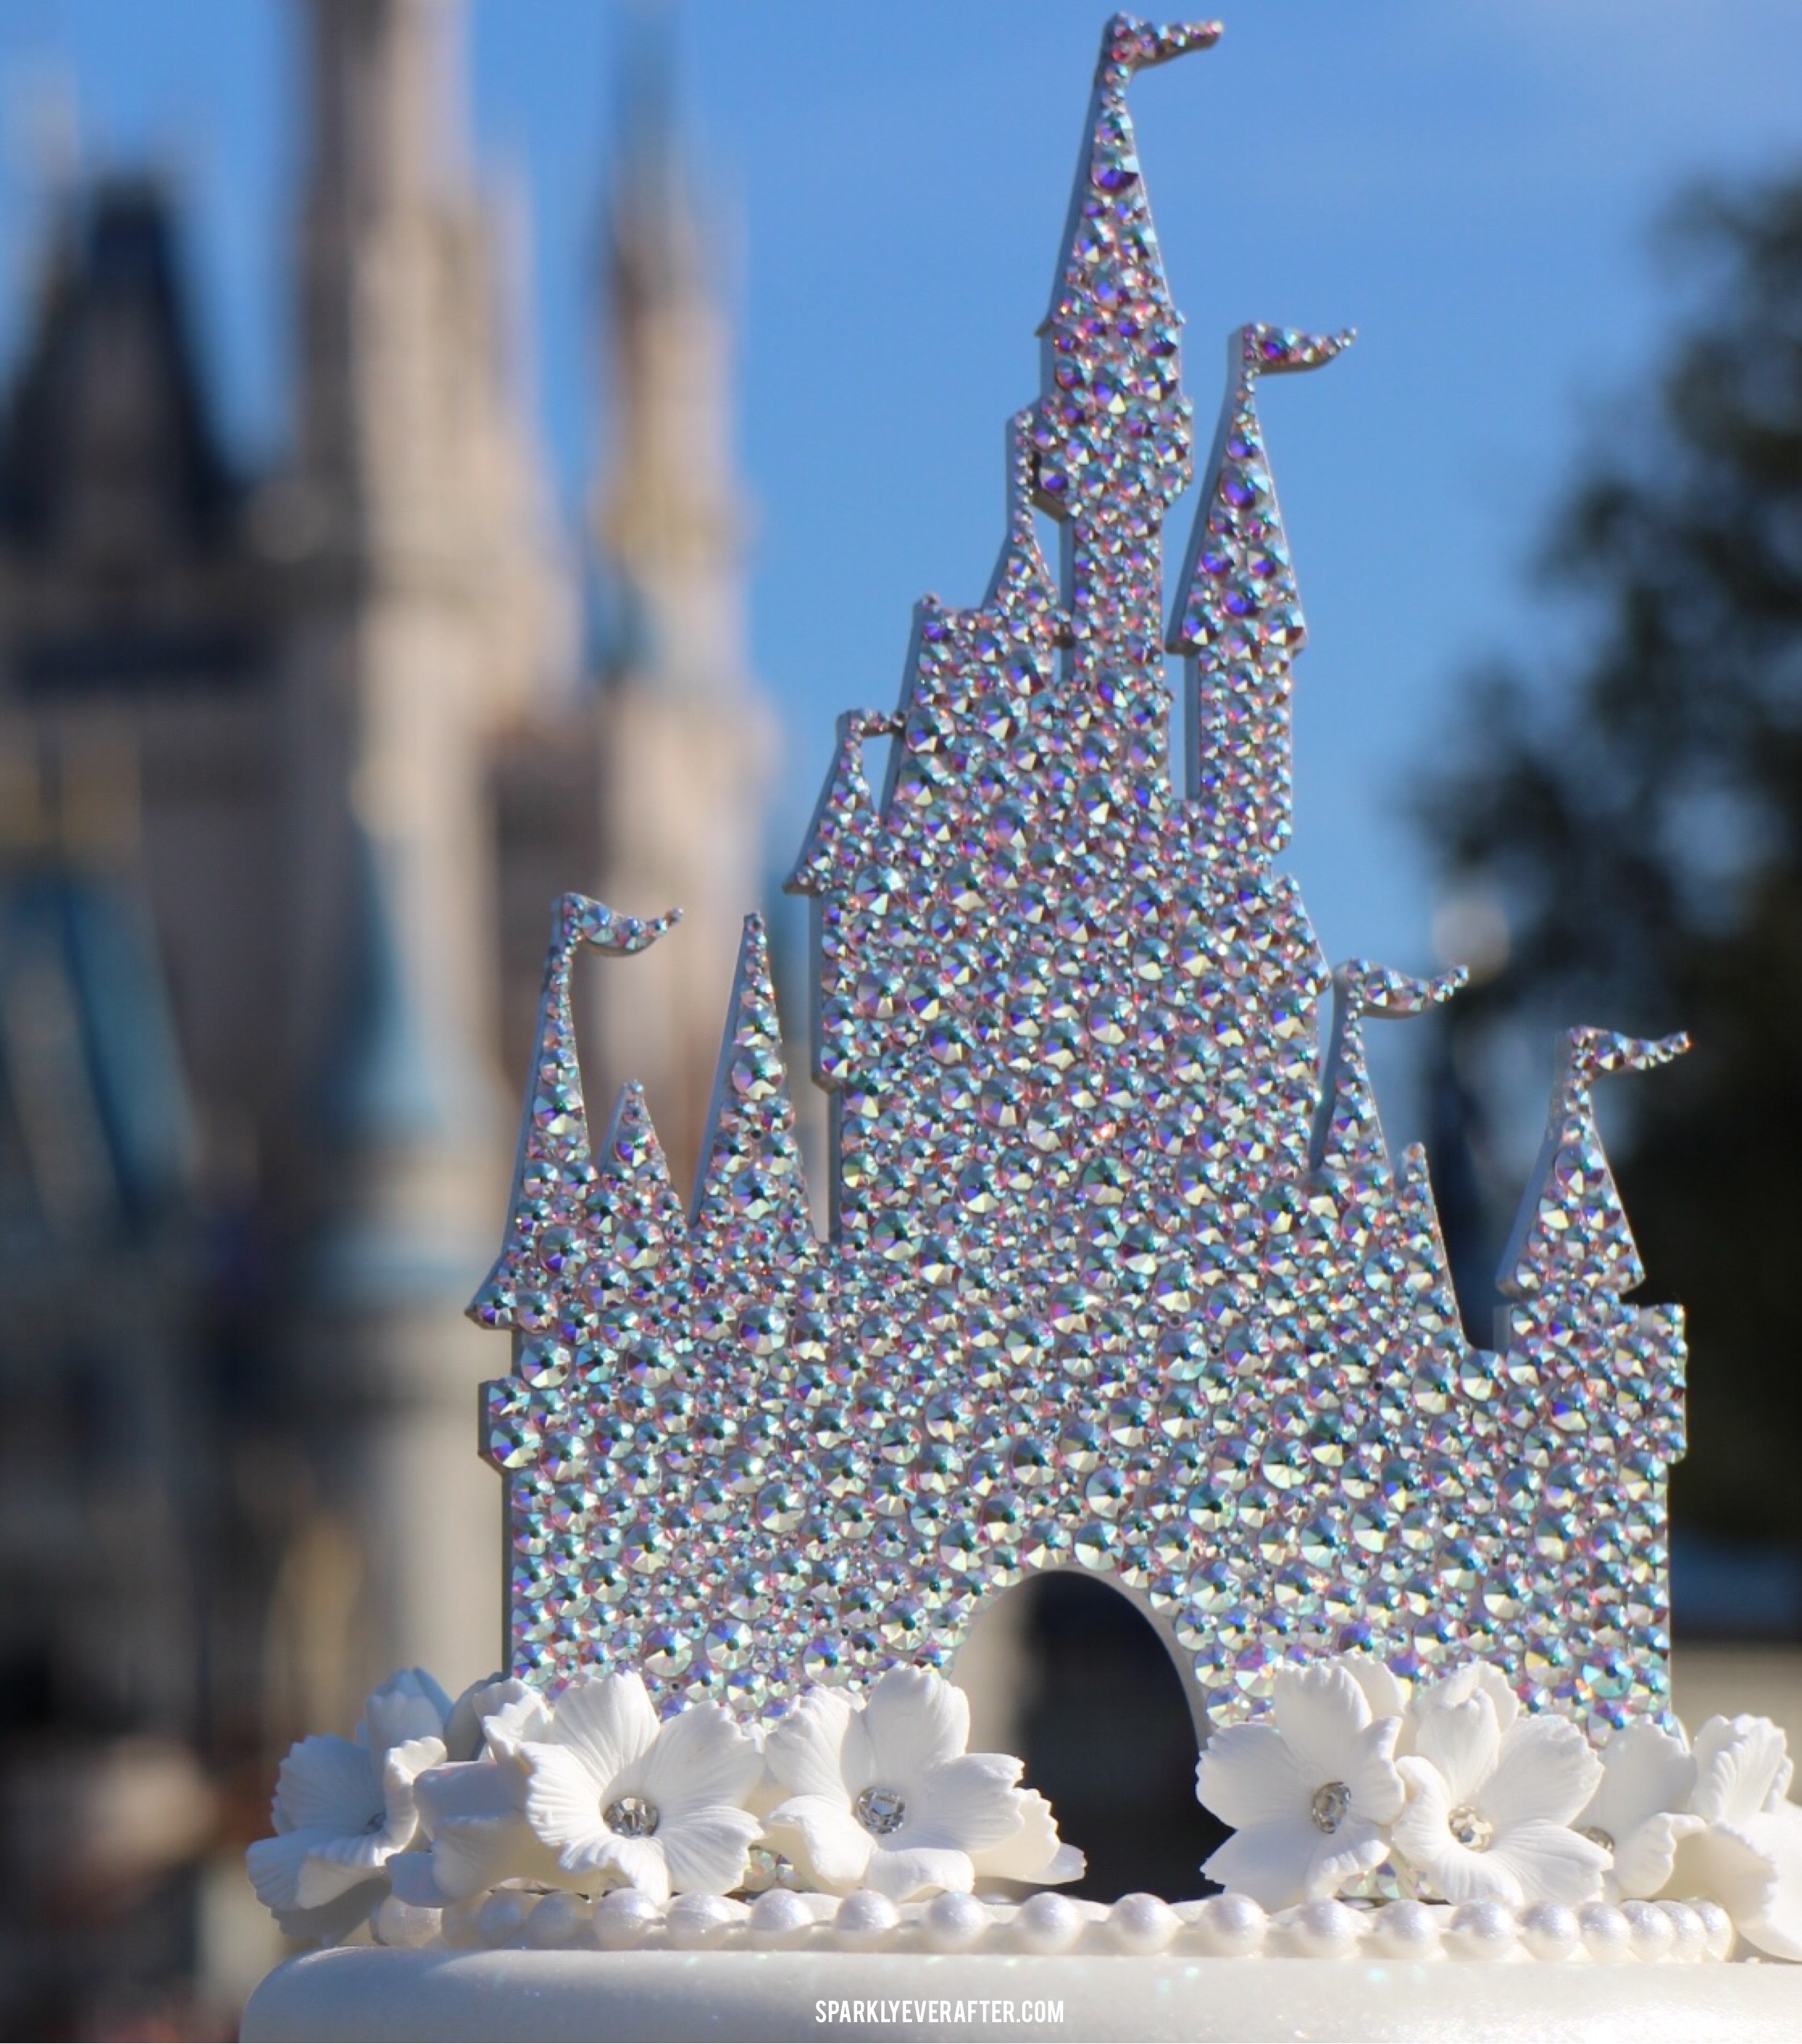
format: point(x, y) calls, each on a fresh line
point(1049, 1924)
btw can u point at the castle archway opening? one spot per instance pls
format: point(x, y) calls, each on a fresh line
point(1066, 1671)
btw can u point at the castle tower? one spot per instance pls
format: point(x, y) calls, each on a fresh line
point(428, 611)
point(685, 740)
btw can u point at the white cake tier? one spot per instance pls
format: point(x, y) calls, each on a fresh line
point(653, 1995)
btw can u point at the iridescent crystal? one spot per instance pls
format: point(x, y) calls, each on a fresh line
point(1119, 1274)
point(632, 1817)
point(880, 1810)
point(1471, 1828)
point(1330, 1806)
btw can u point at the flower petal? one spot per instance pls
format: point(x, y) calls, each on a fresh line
point(1551, 1863)
point(1645, 1770)
point(1247, 1775)
point(805, 1749)
point(1717, 1865)
point(1271, 1862)
point(1455, 1729)
point(1775, 1926)
point(1645, 1858)
point(820, 1831)
point(1386, 1693)
point(1034, 1852)
point(1545, 1770)
point(409, 1705)
point(481, 1700)
point(966, 1803)
point(327, 1781)
point(609, 1721)
point(699, 1758)
point(562, 1803)
point(274, 1865)
point(914, 1719)
point(705, 1850)
point(1369, 1772)
point(640, 1863)
point(1738, 1764)
point(1320, 1712)
point(914, 1870)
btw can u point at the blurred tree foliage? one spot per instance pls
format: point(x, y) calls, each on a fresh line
point(1642, 822)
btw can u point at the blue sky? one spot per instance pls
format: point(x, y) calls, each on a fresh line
point(1470, 184)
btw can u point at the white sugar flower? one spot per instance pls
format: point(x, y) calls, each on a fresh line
point(1639, 1812)
point(883, 1795)
point(1746, 1851)
point(622, 1798)
point(472, 1811)
point(1310, 1792)
point(345, 1808)
point(1491, 1795)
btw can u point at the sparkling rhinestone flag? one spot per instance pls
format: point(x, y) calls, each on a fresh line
point(1119, 1274)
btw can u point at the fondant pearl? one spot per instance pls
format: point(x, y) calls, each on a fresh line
point(623, 1919)
point(1721, 1936)
point(779, 1920)
point(1323, 1929)
point(404, 1923)
point(694, 1922)
point(953, 1923)
point(1406, 1930)
point(1606, 1931)
point(1047, 1923)
point(1688, 1933)
point(1141, 1924)
point(1650, 1932)
point(460, 1927)
point(1230, 1926)
point(559, 1921)
point(501, 1918)
point(866, 1921)
point(1549, 1930)
point(1481, 1930)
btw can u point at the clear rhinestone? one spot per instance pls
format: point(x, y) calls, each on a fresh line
point(1471, 1828)
point(1329, 1807)
point(1597, 1836)
point(632, 1817)
point(880, 1811)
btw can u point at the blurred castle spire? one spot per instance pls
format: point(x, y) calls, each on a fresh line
point(685, 740)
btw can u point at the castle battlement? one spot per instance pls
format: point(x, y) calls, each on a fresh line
point(1116, 1277)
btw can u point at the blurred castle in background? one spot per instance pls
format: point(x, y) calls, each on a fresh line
point(291, 768)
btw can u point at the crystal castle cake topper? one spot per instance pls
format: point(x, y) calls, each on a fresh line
point(1120, 1274)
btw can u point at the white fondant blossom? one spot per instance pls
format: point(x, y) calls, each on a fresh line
point(1491, 1798)
point(1311, 1792)
point(343, 1808)
point(1639, 1812)
point(882, 1795)
point(472, 1812)
point(622, 1798)
point(1745, 1850)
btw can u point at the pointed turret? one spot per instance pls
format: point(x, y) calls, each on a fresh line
point(1348, 1130)
point(632, 1214)
point(1571, 1233)
point(751, 1206)
point(1432, 1294)
point(1112, 432)
point(1022, 588)
point(1240, 618)
point(838, 837)
point(554, 1168)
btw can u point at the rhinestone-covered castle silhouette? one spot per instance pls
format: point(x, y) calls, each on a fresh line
point(1116, 1278)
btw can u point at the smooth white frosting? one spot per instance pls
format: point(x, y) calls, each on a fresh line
point(759, 1994)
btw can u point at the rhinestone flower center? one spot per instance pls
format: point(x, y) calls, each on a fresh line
point(880, 1812)
point(1471, 1828)
point(1597, 1836)
point(632, 1817)
point(1330, 1806)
